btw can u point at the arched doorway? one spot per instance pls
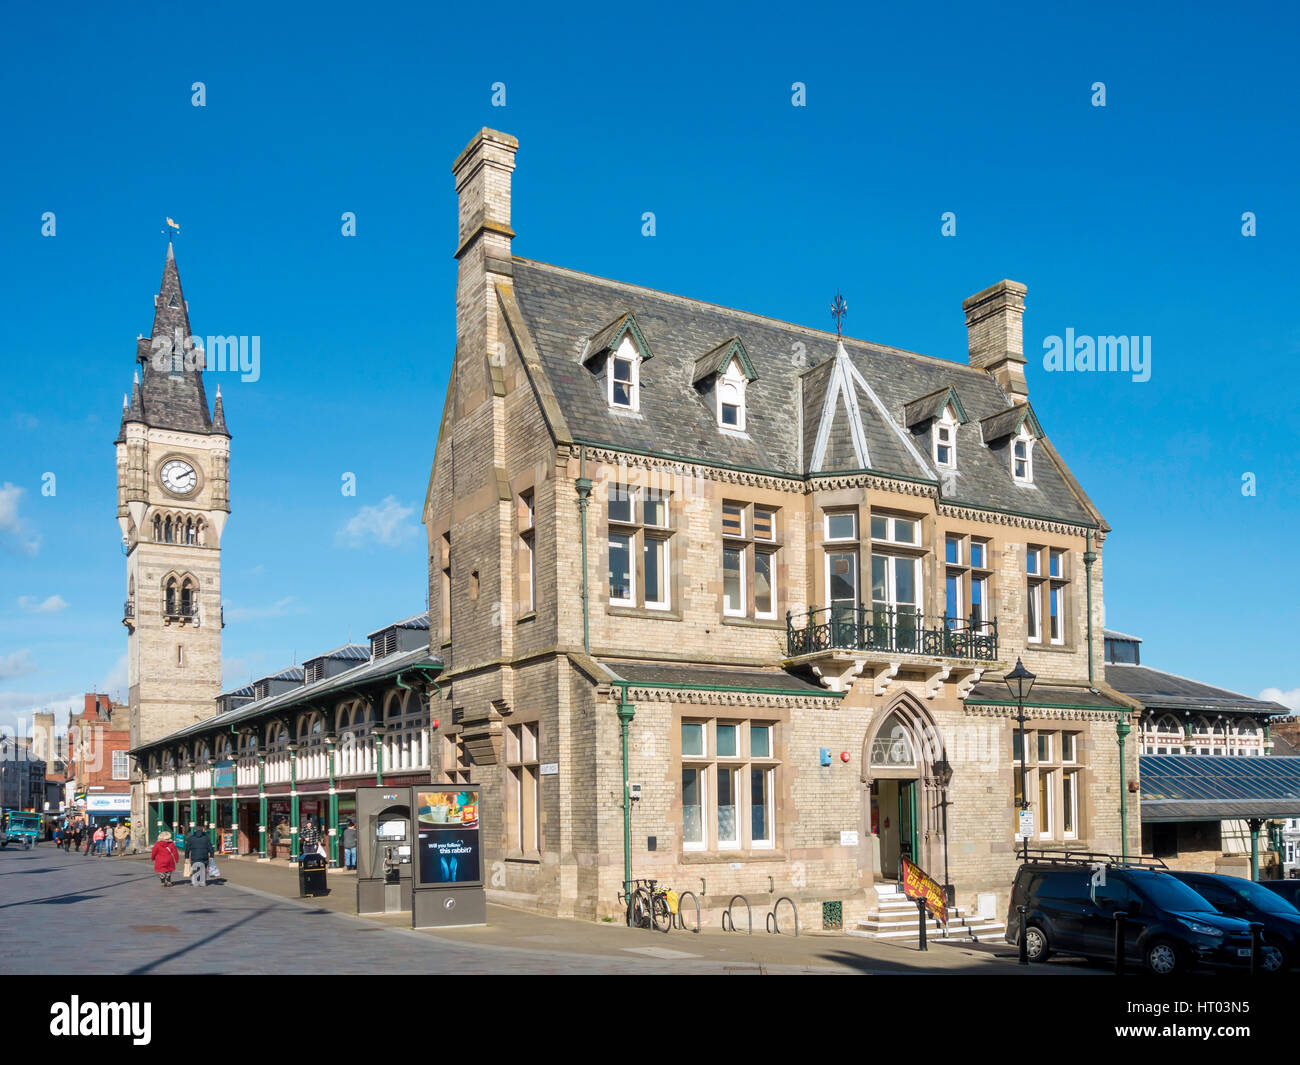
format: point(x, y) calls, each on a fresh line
point(901, 747)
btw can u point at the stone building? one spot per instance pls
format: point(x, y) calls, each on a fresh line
point(99, 764)
point(794, 565)
point(173, 499)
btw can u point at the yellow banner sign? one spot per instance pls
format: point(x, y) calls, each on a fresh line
point(917, 884)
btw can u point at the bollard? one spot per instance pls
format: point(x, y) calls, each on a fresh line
point(1120, 917)
point(1024, 943)
point(920, 911)
point(1255, 937)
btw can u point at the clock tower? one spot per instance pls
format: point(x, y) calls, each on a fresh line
point(173, 499)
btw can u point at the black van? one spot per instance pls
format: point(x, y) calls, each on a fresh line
point(1070, 903)
point(1238, 897)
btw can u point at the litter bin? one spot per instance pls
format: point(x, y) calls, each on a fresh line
point(311, 876)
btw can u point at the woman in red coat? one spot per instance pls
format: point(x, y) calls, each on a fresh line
point(165, 858)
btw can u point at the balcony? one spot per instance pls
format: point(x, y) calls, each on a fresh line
point(128, 615)
point(841, 642)
point(181, 612)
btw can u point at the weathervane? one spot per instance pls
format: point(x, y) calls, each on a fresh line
point(167, 229)
point(838, 310)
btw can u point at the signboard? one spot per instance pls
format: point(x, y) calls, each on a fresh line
point(918, 885)
point(548, 769)
point(848, 838)
point(448, 837)
point(108, 804)
point(223, 774)
point(1026, 823)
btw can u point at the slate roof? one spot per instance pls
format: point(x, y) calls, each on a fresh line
point(1111, 634)
point(167, 399)
point(1180, 787)
point(683, 675)
point(1043, 695)
point(355, 652)
point(1158, 690)
point(367, 672)
point(563, 309)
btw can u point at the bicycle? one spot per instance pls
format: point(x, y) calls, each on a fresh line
point(647, 906)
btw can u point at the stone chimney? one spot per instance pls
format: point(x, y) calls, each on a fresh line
point(994, 328)
point(482, 173)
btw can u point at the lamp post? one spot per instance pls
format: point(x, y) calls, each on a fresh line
point(1019, 683)
point(943, 777)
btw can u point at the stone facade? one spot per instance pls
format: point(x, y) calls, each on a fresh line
point(533, 647)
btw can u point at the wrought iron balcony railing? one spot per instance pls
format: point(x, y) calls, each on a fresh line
point(128, 609)
point(860, 628)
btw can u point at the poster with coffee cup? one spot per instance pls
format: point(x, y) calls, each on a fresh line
point(449, 837)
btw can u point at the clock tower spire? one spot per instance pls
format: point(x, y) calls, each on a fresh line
point(173, 498)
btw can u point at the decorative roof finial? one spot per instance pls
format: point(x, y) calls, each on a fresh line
point(838, 310)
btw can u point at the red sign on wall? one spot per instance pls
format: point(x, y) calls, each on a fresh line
point(917, 884)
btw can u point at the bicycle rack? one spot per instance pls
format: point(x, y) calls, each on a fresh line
point(774, 923)
point(677, 917)
point(729, 922)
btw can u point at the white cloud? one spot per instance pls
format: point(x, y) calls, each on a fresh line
point(1289, 699)
point(18, 664)
point(52, 605)
point(11, 522)
point(280, 608)
point(385, 524)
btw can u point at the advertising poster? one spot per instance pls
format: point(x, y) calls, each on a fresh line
point(449, 837)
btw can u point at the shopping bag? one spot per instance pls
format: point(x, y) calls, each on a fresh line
point(671, 898)
point(213, 871)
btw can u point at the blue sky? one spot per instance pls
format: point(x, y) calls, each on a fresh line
point(1123, 219)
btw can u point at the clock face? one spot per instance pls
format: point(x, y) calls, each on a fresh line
point(178, 477)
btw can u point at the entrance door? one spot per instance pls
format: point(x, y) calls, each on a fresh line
point(907, 843)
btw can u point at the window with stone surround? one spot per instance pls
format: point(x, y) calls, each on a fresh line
point(121, 765)
point(1054, 776)
point(729, 785)
point(966, 582)
point(1047, 583)
point(749, 560)
point(526, 571)
point(523, 805)
point(455, 759)
point(640, 548)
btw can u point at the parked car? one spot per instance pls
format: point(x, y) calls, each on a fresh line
point(1288, 889)
point(1237, 897)
point(1070, 905)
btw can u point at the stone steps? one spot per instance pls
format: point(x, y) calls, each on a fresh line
point(895, 918)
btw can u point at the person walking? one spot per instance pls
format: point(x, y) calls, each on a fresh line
point(309, 837)
point(121, 836)
point(90, 840)
point(99, 841)
point(165, 858)
point(350, 845)
point(199, 850)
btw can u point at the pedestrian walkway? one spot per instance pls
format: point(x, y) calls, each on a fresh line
point(251, 921)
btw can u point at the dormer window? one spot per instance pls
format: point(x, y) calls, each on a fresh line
point(624, 372)
point(945, 440)
point(1022, 461)
point(731, 398)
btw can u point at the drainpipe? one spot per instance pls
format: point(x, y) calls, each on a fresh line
point(626, 711)
point(234, 795)
point(1122, 729)
point(334, 805)
point(584, 497)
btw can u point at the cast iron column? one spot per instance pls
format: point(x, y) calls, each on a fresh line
point(261, 805)
point(334, 806)
point(293, 802)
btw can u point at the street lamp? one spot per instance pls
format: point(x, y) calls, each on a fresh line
point(943, 777)
point(1019, 683)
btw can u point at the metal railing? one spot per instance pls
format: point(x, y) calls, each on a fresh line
point(128, 609)
point(861, 628)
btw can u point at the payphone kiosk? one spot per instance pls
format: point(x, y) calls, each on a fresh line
point(385, 848)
